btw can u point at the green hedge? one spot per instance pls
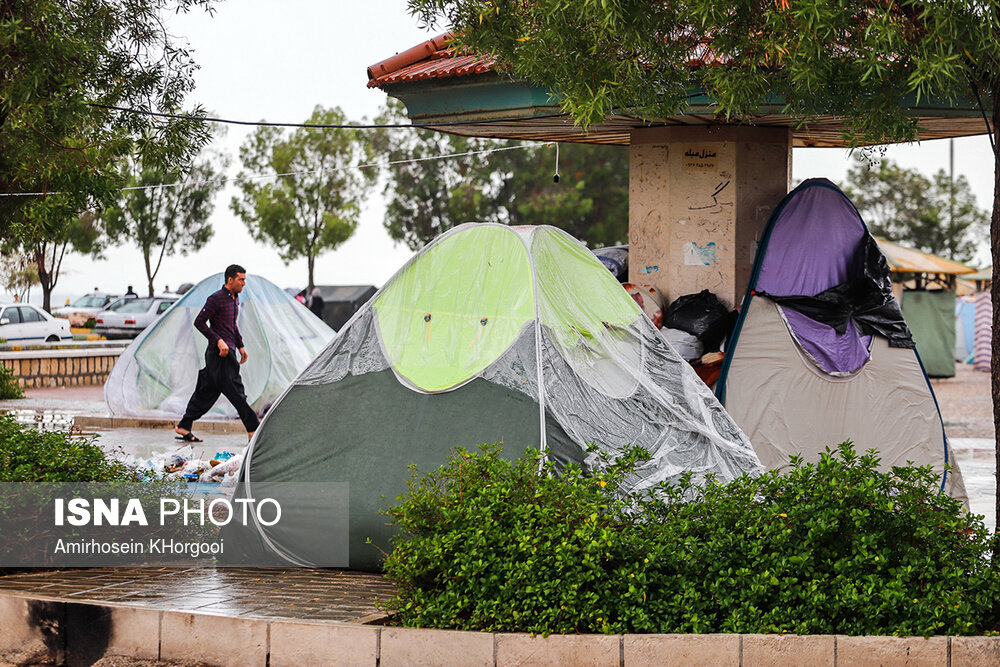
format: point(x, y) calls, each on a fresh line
point(9, 386)
point(832, 547)
point(30, 455)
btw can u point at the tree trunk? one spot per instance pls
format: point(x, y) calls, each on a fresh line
point(44, 277)
point(46, 297)
point(149, 274)
point(995, 299)
point(309, 289)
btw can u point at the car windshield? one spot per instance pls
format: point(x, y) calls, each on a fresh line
point(118, 303)
point(133, 306)
point(89, 302)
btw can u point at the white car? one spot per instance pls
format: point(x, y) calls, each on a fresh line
point(126, 318)
point(84, 308)
point(92, 303)
point(22, 322)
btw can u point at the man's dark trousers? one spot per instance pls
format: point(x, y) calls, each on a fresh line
point(221, 375)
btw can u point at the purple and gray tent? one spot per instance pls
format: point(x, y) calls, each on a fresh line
point(821, 354)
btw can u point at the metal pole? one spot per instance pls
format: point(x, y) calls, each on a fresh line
point(951, 184)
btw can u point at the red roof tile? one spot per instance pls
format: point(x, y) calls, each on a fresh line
point(432, 59)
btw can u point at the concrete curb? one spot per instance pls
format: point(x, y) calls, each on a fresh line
point(207, 426)
point(80, 633)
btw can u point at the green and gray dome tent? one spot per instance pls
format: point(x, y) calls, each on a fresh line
point(156, 374)
point(490, 333)
point(821, 353)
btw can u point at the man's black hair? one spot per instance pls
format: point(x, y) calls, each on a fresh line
point(233, 269)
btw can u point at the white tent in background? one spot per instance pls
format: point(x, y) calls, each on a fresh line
point(156, 374)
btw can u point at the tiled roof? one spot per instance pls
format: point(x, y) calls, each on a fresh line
point(435, 59)
point(432, 59)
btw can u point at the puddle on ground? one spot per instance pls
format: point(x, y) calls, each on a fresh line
point(977, 459)
point(130, 443)
point(45, 420)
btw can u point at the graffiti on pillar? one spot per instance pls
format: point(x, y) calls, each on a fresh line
point(712, 203)
point(649, 269)
point(698, 255)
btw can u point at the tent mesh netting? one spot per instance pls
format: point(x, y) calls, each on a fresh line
point(156, 374)
point(489, 301)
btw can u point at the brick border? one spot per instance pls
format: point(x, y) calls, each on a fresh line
point(80, 631)
point(73, 370)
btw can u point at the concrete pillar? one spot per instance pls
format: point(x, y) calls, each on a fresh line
point(699, 198)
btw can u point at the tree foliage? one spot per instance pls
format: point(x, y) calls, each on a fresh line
point(426, 198)
point(165, 221)
point(857, 60)
point(311, 202)
point(57, 59)
point(80, 233)
point(935, 215)
point(44, 248)
point(18, 274)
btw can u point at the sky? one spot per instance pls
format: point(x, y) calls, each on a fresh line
point(276, 61)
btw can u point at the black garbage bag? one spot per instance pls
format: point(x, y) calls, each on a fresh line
point(719, 331)
point(701, 315)
point(867, 301)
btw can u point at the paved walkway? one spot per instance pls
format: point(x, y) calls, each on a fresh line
point(269, 593)
point(63, 408)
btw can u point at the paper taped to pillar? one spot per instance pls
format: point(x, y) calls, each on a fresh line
point(155, 376)
point(821, 353)
point(489, 334)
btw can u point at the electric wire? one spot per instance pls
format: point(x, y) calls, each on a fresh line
point(259, 177)
point(316, 126)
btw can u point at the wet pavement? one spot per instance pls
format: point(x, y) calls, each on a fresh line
point(334, 595)
point(269, 593)
point(977, 460)
point(55, 408)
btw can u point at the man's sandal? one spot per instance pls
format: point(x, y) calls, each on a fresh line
point(188, 437)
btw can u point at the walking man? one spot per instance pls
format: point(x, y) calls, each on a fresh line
point(221, 374)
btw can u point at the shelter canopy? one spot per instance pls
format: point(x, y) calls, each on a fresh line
point(908, 260)
point(466, 95)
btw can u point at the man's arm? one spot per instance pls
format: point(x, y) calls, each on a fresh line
point(239, 343)
point(208, 312)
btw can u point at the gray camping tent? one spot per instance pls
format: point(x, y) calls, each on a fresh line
point(821, 354)
point(490, 333)
point(340, 302)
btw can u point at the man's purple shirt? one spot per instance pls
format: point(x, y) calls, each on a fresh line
point(221, 309)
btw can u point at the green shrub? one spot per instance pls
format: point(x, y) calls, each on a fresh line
point(832, 547)
point(29, 455)
point(9, 386)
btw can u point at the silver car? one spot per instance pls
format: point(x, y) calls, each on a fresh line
point(126, 318)
point(22, 322)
